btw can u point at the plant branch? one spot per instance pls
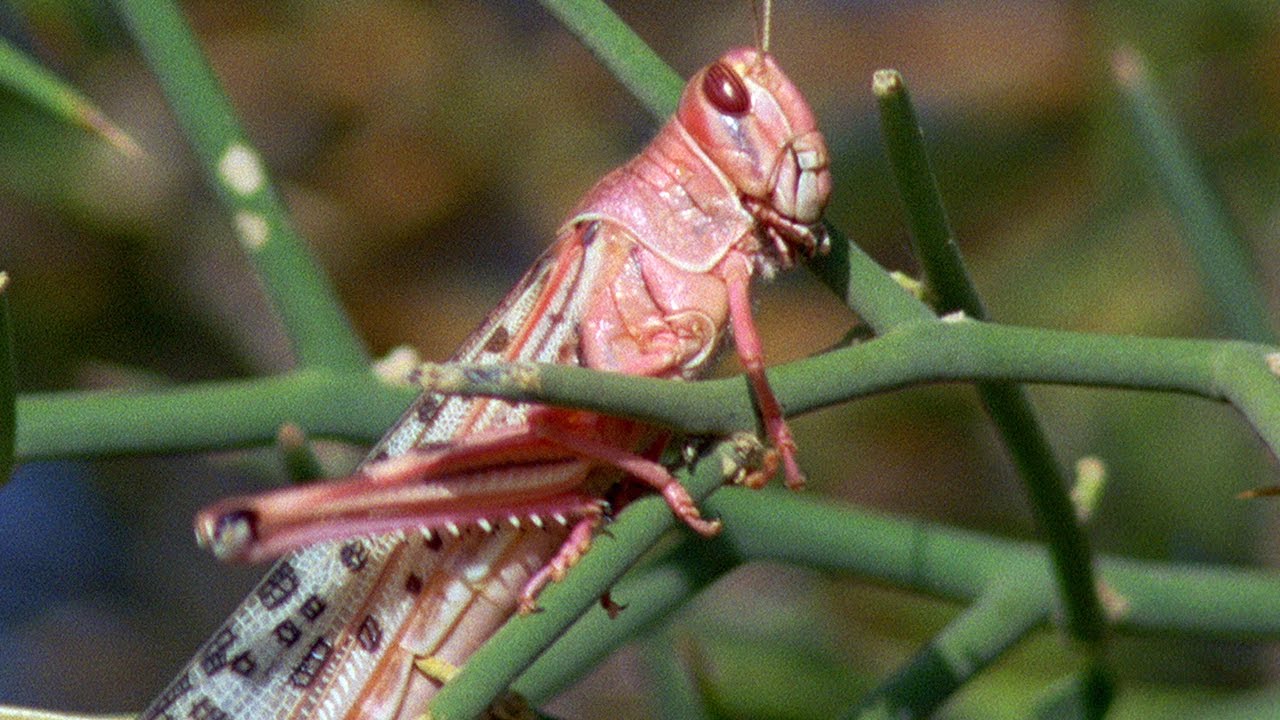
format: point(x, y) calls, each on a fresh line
point(48, 92)
point(672, 688)
point(645, 75)
point(949, 281)
point(1000, 617)
point(1047, 485)
point(651, 595)
point(1083, 693)
point(918, 353)
point(315, 322)
point(928, 558)
point(865, 286)
point(1207, 230)
point(965, 565)
point(932, 240)
point(353, 406)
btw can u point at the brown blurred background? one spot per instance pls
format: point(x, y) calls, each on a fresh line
point(429, 150)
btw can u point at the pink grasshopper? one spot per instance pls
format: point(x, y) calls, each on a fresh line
point(388, 569)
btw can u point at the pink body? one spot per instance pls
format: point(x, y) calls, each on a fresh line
point(469, 507)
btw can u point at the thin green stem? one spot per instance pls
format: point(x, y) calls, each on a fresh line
point(622, 52)
point(671, 687)
point(1000, 617)
point(1008, 405)
point(914, 354)
point(866, 287)
point(932, 239)
point(315, 322)
point(651, 595)
point(1225, 266)
point(351, 406)
point(50, 93)
point(1047, 485)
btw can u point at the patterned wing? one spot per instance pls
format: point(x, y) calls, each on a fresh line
point(331, 630)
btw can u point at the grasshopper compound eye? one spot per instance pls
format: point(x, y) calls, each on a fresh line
point(726, 91)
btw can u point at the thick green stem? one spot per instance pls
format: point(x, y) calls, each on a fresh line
point(353, 406)
point(963, 565)
point(1150, 597)
point(915, 354)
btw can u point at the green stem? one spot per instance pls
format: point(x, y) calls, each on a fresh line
point(1047, 485)
point(1008, 405)
point(299, 290)
point(866, 287)
point(914, 354)
point(1085, 693)
point(931, 236)
point(962, 565)
point(671, 687)
point(351, 406)
point(1224, 263)
point(301, 464)
point(651, 595)
point(47, 91)
point(618, 48)
point(1000, 617)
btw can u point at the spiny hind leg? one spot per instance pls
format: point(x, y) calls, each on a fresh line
point(570, 552)
point(641, 468)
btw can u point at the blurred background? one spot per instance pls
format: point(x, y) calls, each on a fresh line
point(429, 150)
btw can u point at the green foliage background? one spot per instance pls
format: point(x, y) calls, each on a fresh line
point(427, 153)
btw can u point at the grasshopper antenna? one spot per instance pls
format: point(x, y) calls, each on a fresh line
point(764, 16)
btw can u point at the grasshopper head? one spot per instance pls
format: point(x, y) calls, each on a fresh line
point(755, 126)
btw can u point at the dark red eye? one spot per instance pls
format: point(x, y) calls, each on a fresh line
point(725, 90)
